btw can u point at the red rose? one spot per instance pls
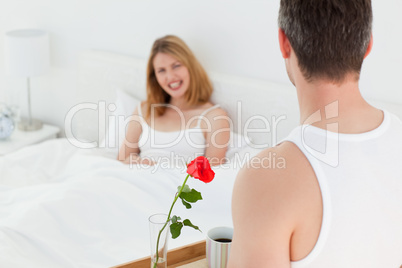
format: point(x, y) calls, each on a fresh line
point(200, 169)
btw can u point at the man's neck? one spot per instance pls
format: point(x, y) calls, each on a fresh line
point(339, 106)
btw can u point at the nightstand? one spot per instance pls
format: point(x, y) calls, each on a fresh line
point(20, 139)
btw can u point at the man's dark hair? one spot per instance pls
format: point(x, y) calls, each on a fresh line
point(329, 37)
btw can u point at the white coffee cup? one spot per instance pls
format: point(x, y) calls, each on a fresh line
point(218, 242)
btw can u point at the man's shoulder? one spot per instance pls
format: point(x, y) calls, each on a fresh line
point(275, 196)
point(284, 160)
point(278, 176)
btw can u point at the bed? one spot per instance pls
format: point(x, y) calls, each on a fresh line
point(68, 203)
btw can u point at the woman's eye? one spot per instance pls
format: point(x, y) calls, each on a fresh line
point(176, 66)
point(160, 71)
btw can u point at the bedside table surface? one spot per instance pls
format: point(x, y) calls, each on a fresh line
point(20, 139)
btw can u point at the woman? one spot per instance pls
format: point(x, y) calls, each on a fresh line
point(177, 120)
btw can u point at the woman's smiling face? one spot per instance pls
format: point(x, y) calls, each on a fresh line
point(171, 75)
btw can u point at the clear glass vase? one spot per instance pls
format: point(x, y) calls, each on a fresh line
point(159, 233)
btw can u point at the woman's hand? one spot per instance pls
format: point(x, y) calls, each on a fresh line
point(135, 159)
point(146, 161)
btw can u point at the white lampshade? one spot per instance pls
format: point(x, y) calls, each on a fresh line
point(27, 52)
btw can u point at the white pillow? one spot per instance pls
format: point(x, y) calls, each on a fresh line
point(125, 106)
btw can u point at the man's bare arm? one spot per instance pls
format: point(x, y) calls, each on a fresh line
point(268, 206)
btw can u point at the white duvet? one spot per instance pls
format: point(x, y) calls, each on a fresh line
point(66, 207)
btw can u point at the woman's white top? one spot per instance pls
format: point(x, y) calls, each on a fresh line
point(360, 177)
point(180, 146)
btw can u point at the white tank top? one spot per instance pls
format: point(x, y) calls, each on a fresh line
point(360, 177)
point(180, 146)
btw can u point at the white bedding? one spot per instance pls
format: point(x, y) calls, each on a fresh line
point(66, 207)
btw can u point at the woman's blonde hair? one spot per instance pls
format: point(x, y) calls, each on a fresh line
point(200, 87)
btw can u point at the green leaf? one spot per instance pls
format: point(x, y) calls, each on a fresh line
point(186, 189)
point(174, 219)
point(187, 222)
point(187, 205)
point(175, 229)
point(192, 196)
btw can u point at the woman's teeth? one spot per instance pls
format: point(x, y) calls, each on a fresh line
point(174, 85)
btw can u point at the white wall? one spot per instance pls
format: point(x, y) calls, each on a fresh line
point(228, 36)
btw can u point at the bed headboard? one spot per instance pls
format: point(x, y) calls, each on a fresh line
point(266, 110)
point(100, 73)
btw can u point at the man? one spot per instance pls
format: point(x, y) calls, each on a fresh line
point(338, 202)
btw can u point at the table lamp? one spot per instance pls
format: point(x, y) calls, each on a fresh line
point(27, 55)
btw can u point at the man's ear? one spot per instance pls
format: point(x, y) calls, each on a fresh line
point(284, 44)
point(369, 47)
